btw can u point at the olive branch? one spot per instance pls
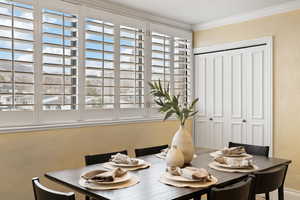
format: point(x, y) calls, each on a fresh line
point(170, 105)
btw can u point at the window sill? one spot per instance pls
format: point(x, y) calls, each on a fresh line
point(78, 124)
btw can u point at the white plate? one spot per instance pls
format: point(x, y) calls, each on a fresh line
point(140, 163)
point(230, 167)
point(219, 153)
point(178, 178)
point(121, 179)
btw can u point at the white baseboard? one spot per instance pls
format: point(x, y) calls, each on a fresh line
point(289, 194)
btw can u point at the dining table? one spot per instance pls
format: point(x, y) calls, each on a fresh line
point(150, 188)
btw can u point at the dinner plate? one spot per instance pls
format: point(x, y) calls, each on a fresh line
point(230, 167)
point(219, 153)
point(121, 179)
point(140, 163)
point(178, 178)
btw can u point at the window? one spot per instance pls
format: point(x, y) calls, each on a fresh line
point(182, 68)
point(131, 67)
point(99, 64)
point(59, 61)
point(16, 57)
point(67, 63)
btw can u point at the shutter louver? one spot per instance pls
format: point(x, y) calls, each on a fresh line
point(99, 64)
point(16, 56)
point(59, 61)
point(182, 68)
point(131, 67)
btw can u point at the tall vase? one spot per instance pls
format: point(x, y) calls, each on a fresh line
point(183, 140)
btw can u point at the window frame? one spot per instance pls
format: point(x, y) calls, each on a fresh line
point(81, 116)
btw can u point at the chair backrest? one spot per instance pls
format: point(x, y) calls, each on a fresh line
point(238, 191)
point(100, 158)
point(43, 193)
point(269, 180)
point(149, 150)
point(253, 149)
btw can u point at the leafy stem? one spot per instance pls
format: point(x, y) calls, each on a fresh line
point(170, 104)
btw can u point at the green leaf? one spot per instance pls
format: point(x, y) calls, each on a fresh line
point(194, 103)
point(194, 113)
point(159, 102)
point(168, 114)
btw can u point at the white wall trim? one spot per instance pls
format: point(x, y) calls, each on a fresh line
point(269, 59)
point(289, 194)
point(79, 124)
point(119, 9)
point(282, 8)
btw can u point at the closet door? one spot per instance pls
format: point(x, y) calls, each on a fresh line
point(233, 88)
point(236, 108)
point(209, 122)
point(202, 122)
point(258, 87)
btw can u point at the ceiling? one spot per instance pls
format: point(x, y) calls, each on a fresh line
point(198, 11)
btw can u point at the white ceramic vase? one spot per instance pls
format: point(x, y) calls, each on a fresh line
point(175, 157)
point(183, 140)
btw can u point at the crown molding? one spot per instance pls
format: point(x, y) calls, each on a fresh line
point(282, 8)
point(119, 9)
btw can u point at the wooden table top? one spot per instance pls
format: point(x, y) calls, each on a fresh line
point(149, 187)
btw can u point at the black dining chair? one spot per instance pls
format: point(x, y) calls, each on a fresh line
point(269, 180)
point(100, 158)
point(238, 191)
point(252, 149)
point(43, 193)
point(149, 150)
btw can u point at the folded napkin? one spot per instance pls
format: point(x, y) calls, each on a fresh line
point(235, 162)
point(123, 159)
point(191, 173)
point(104, 175)
point(164, 152)
point(233, 151)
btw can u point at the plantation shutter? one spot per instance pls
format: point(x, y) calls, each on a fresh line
point(131, 67)
point(16, 56)
point(59, 60)
point(161, 58)
point(99, 64)
point(182, 68)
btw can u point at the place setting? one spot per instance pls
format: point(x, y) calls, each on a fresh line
point(126, 162)
point(108, 179)
point(180, 173)
point(188, 177)
point(234, 159)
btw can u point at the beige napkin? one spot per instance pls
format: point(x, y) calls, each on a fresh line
point(233, 151)
point(191, 173)
point(235, 162)
point(123, 159)
point(104, 175)
point(164, 152)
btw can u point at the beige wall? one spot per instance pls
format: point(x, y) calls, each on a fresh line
point(27, 155)
point(286, 31)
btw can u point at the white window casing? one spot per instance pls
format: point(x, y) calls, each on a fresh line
point(100, 68)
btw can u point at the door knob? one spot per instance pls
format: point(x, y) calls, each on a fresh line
point(244, 121)
point(210, 119)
